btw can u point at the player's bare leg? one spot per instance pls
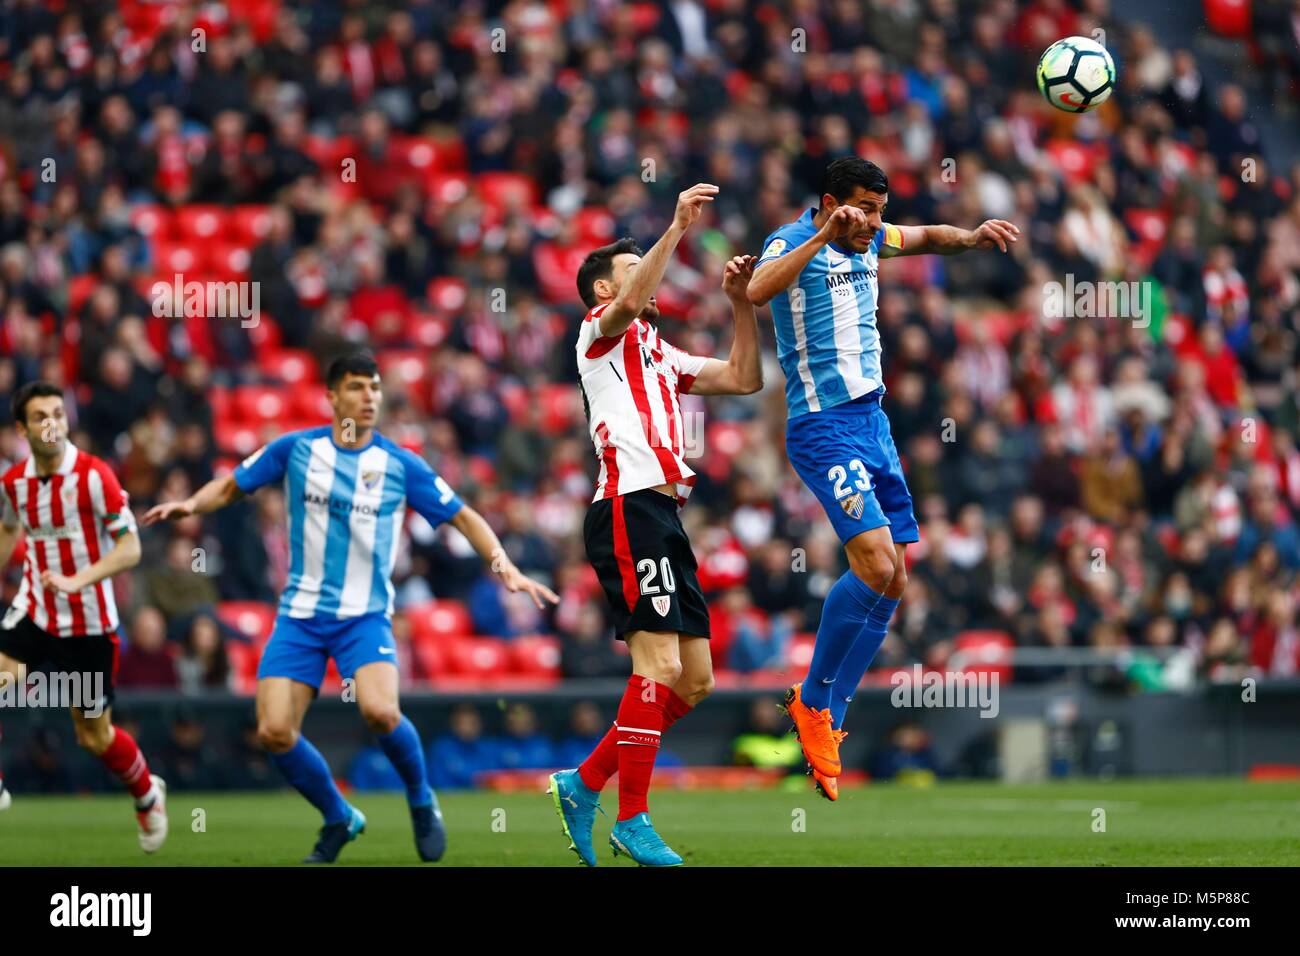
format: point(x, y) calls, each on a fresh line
point(377, 697)
point(123, 757)
point(281, 706)
point(12, 673)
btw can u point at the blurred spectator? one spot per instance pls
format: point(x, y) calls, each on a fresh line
point(456, 756)
point(148, 661)
point(905, 757)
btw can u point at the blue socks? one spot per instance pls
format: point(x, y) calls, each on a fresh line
point(305, 768)
point(843, 616)
point(860, 656)
point(403, 748)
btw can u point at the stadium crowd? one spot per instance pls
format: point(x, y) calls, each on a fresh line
point(423, 178)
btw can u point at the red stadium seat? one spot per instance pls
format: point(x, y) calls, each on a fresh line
point(439, 619)
point(801, 651)
point(248, 225)
point(253, 619)
point(561, 407)
point(446, 294)
point(260, 403)
point(430, 659)
point(447, 189)
point(288, 366)
point(172, 257)
point(235, 438)
point(594, 225)
point(265, 336)
point(244, 659)
point(220, 403)
point(506, 190)
point(482, 657)
point(153, 222)
point(401, 367)
point(309, 401)
point(990, 652)
point(557, 270)
point(228, 260)
point(536, 655)
point(333, 682)
point(200, 222)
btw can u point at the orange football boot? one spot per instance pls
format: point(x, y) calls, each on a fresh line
point(829, 787)
point(816, 736)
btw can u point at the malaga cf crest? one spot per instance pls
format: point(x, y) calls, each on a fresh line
point(853, 506)
point(369, 479)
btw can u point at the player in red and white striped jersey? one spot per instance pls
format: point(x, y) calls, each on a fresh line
point(80, 532)
point(632, 382)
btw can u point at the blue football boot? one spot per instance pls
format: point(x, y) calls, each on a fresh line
point(334, 836)
point(576, 803)
point(430, 834)
point(637, 838)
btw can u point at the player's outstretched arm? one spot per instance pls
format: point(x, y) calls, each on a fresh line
point(216, 494)
point(485, 541)
point(771, 277)
point(124, 554)
point(642, 280)
point(742, 372)
point(950, 240)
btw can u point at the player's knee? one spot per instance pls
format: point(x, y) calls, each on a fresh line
point(275, 737)
point(694, 688)
point(874, 566)
point(899, 583)
point(381, 718)
point(93, 737)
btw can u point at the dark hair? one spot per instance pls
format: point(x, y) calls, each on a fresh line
point(599, 264)
point(354, 363)
point(27, 393)
point(848, 172)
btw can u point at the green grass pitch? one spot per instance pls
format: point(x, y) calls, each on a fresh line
point(1166, 822)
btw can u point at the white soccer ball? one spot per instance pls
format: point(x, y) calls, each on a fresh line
point(1076, 74)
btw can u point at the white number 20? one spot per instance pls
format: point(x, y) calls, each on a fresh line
point(839, 476)
point(647, 569)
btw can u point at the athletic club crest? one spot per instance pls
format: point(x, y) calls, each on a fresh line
point(661, 604)
point(853, 506)
point(369, 479)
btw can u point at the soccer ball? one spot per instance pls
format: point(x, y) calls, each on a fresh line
point(1076, 74)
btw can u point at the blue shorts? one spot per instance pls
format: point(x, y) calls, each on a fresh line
point(300, 647)
point(846, 457)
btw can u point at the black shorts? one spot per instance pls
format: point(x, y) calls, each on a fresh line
point(643, 558)
point(94, 657)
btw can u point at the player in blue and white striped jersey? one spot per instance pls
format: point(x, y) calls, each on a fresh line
point(819, 273)
point(347, 489)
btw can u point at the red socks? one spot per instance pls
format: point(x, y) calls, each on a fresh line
point(630, 747)
point(125, 761)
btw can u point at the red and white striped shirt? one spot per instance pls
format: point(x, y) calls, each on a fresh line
point(71, 518)
point(631, 385)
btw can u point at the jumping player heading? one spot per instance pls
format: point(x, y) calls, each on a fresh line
point(631, 380)
point(819, 273)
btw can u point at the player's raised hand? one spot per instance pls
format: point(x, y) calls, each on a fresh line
point(167, 511)
point(996, 232)
point(516, 581)
point(845, 221)
point(736, 276)
point(691, 203)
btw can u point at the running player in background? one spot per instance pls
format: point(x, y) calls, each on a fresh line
point(819, 273)
point(631, 380)
point(80, 533)
point(347, 488)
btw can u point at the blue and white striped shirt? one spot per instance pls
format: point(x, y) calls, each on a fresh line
point(826, 334)
point(346, 509)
